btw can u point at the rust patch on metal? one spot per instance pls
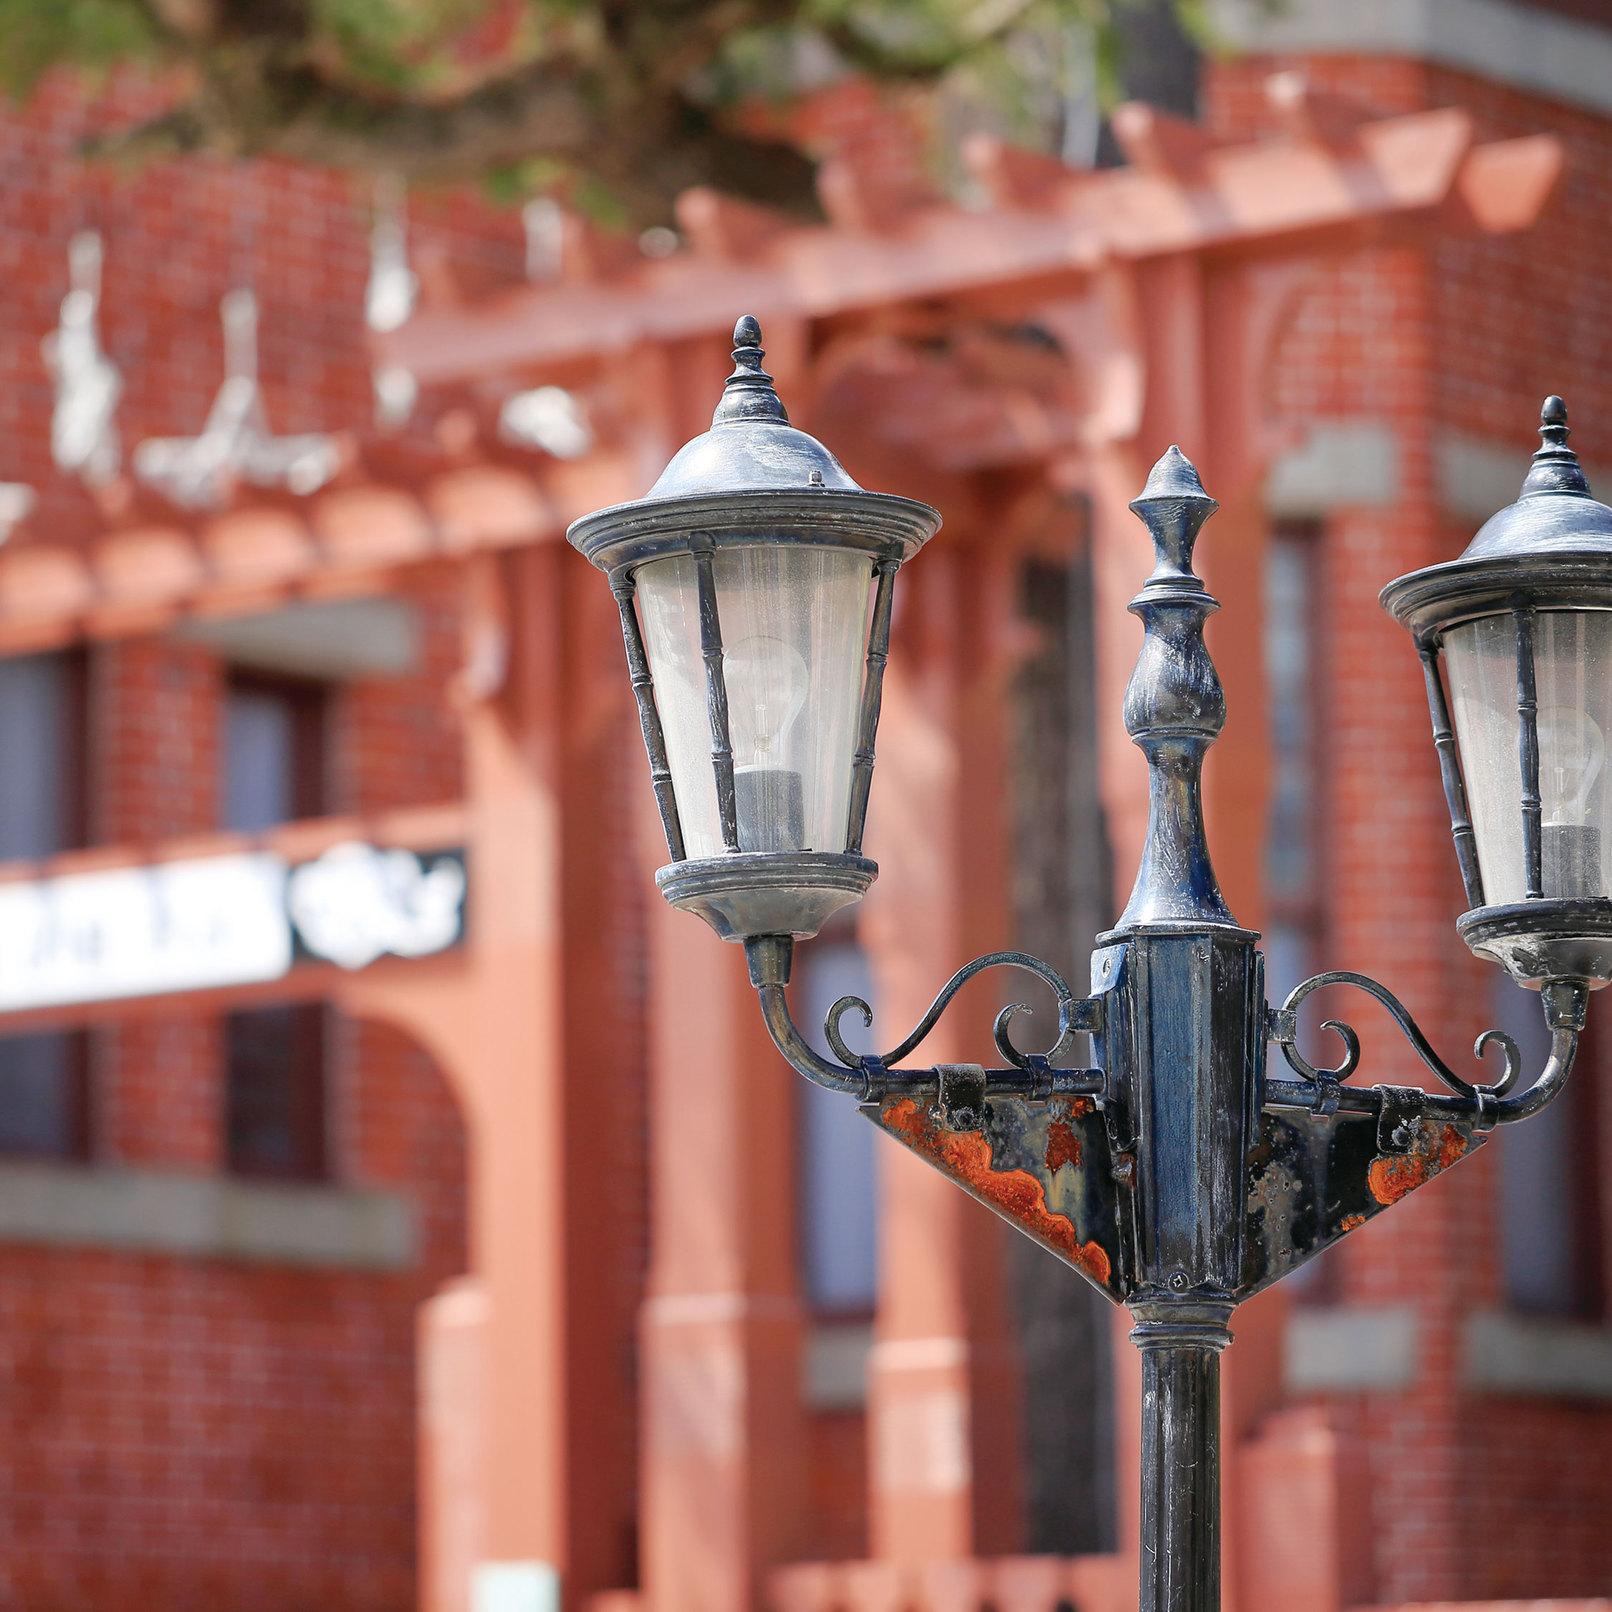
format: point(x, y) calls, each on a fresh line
point(1351, 1222)
point(1435, 1150)
point(1063, 1145)
point(967, 1156)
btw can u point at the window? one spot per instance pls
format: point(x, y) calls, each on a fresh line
point(42, 740)
point(275, 1091)
point(43, 1108)
point(1292, 843)
point(1550, 1211)
point(839, 1198)
point(274, 751)
point(1293, 917)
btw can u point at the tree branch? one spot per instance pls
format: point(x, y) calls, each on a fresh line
point(653, 146)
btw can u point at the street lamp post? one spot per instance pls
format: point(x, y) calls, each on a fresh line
point(1177, 1174)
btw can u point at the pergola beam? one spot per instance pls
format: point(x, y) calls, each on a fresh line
point(1041, 223)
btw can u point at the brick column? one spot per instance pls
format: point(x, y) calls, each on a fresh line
point(723, 1441)
point(155, 726)
point(942, 1403)
point(494, 1350)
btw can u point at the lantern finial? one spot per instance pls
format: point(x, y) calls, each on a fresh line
point(1555, 468)
point(749, 393)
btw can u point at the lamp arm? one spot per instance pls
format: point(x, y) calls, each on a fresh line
point(769, 958)
point(1321, 1089)
point(1564, 1002)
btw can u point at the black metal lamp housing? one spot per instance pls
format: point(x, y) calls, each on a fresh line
point(1522, 623)
point(755, 583)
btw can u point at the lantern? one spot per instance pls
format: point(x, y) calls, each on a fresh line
point(1515, 638)
point(755, 583)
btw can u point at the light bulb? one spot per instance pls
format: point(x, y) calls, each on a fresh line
point(767, 686)
point(768, 681)
point(1572, 754)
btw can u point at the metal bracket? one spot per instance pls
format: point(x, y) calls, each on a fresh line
point(1399, 1121)
point(1282, 1025)
point(960, 1103)
point(1086, 1013)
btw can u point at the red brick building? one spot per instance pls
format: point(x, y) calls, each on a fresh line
point(678, 1341)
point(183, 1424)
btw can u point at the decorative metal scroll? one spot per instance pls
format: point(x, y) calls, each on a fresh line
point(1423, 1048)
point(1069, 1018)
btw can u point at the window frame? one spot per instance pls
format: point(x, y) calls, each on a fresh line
point(309, 701)
point(76, 1145)
point(309, 1099)
point(75, 752)
point(1305, 912)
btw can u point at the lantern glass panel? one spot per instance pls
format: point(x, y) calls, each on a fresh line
point(794, 632)
point(1573, 683)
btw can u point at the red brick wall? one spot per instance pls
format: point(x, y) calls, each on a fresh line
point(177, 1433)
point(177, 236)
point(395, 740)
point(181, 1433)
point(268, 1425)
point(155, 726)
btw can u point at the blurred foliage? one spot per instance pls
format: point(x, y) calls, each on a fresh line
point(627, 99)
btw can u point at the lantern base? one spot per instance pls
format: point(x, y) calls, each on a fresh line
point(1536, 941)
point(767, 893)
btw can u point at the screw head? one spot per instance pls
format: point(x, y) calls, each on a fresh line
point(1178, 1282)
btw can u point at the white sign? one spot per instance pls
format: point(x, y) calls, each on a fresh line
point(172, 926)
point(219, 920)
point(357, 903)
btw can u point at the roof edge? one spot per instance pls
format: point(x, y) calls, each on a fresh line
point(1539, 52)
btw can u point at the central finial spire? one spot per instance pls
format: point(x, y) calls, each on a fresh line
point(749, 393)
point(1174, 707)
point(1173, 506)
point(1555, 468)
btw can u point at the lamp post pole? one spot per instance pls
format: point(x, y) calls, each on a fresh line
point(1185, 1023)
point(1177, 1174)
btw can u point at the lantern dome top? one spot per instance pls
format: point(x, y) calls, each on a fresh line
point(753, 477)
point(1554, 512)
point(751, 444)
point(1552, 548)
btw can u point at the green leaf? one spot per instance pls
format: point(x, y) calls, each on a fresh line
point(37, 35)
